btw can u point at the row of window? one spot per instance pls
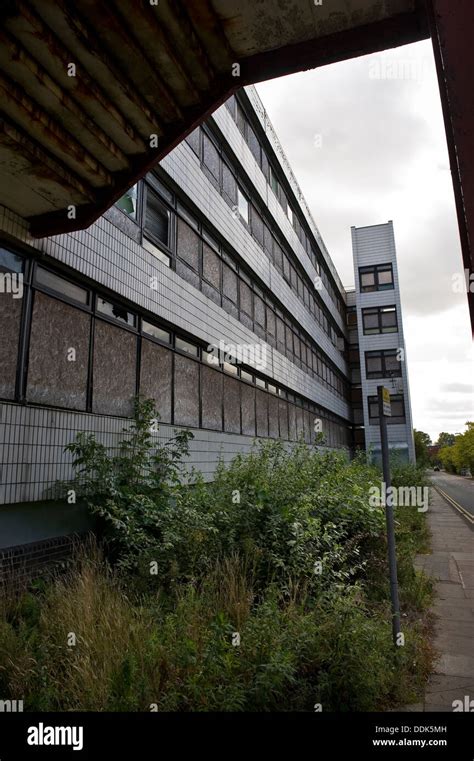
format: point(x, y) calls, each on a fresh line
point(83, 352)
point(176, 237)
point(217, 168)
point(268, 168)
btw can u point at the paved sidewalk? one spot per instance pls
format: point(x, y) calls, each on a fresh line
point(451, 563)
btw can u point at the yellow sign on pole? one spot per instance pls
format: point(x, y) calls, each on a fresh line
point(387, 409)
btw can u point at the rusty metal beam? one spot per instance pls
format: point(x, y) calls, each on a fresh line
point(56, 223)
point(42, 163)
point(91, 56)
point(360, 40)
point(452, 28)
point(26, 70)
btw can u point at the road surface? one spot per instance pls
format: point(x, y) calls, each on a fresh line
point(458, 489)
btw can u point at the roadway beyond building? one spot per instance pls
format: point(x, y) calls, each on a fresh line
point(458, 490)
point(451, 565)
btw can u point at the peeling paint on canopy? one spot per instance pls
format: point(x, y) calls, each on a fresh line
point(144, 69)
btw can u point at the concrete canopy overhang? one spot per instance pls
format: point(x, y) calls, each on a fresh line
point(93, 95)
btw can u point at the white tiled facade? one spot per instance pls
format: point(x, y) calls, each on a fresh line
point(112, 258)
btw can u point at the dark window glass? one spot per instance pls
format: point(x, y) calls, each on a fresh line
point(186, 346)
point(60, 285)
point(397, 407)
point(186, 391)
point(59, 354)
point(10, 262)
point(114, 373)
point(156, 377)
point(116, 311)
point(157, 219)
point(376, 277)
point(388, 320)
point(156, 332)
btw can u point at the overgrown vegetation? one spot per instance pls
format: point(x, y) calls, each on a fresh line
point(266, 590)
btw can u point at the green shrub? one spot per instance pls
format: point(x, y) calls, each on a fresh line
point(282, 548)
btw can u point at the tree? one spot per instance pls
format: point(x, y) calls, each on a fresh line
point(460, 454)
point(422, 442)
point(445, 440)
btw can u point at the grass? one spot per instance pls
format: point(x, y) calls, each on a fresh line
point(275, 601)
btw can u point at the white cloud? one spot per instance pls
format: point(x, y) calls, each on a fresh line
point(383, 156)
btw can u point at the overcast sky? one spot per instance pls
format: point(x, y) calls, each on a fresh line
point(366, 142)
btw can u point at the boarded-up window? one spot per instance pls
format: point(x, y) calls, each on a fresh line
point(212, 398)
point(259, 308)
point(267, 241)
point(262, 413)
point(257, 225)
point(115, 356)
point(248, 409)
point(188, 245)
point(230, 284)
point(270, 321)
point(283, 418)
point(10, 316)
point(211, 266)
point(156, 377)
point(299, 422)
point(229, 184)
point(210, 157)
point(245, 298)
point(291, 422)
point(231, 405)
point(193, 140)
point(59, 354)
point(186, 391)
point(273, 428)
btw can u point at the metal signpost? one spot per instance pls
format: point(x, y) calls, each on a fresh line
point(383, 395)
